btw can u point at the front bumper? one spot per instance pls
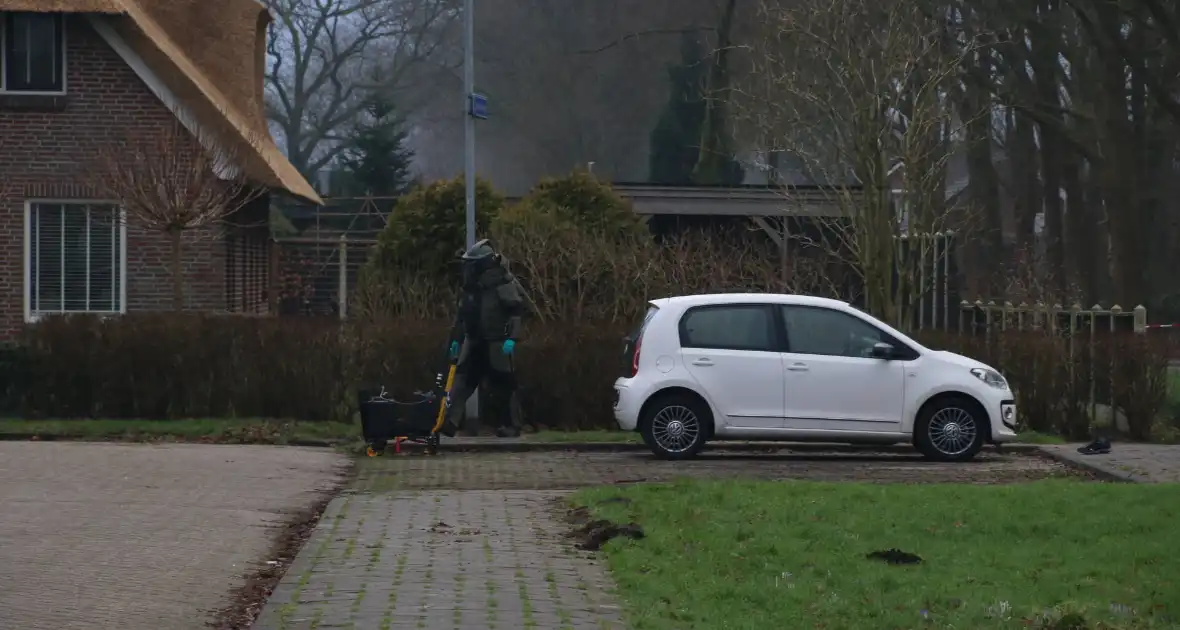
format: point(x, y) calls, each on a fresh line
point(1006, 428)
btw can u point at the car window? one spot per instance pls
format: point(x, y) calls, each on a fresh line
point(823, 331)
point(743, 327)
point(638, 330)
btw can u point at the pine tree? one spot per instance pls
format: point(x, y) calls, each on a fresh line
point(376, 160)
point(676, 139)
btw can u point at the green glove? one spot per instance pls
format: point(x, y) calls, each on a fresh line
point(454, 353)
point(509, 347)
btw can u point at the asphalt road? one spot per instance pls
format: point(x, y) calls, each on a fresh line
point(140, 537)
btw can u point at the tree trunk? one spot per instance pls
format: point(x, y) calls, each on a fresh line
point(983, 188)
point(1022, 155)
point(174, 238)
point(1044, 58)
point(1118, 185)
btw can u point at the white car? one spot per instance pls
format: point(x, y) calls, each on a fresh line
point(800, 368)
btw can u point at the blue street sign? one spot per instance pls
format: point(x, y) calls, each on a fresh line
point(477, 106)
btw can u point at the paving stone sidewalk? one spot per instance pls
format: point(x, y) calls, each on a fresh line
point(444, 560)
point(1145, 463)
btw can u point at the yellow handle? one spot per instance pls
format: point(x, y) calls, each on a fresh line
point(442, 408)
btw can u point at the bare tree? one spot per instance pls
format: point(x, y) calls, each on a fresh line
point(858, 90)
point(326, 56)
point(176, 183)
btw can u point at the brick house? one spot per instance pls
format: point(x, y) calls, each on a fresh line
point(72, 72)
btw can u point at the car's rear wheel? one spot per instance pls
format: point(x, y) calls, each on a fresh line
point(951, 429)
point(676, 426)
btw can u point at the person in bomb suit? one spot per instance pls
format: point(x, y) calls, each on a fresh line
point(491, 305)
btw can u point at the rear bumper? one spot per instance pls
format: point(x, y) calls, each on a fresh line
point(627, 404)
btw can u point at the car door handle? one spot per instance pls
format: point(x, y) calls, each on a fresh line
point(798, 367)
point(703, 362)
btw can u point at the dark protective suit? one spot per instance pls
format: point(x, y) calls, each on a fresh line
point(490, 311)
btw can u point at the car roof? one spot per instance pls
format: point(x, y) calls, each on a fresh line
point(687, 301)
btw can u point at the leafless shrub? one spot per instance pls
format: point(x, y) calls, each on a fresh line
point(175, 182)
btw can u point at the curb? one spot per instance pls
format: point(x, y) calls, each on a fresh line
point(1096, 468)
point(498, 445)
point(639, 447)
point(166, 439)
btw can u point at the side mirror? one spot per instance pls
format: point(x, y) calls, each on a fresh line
point(882, 350)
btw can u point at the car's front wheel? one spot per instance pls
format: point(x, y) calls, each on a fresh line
point(952, 429)
point(676, 426)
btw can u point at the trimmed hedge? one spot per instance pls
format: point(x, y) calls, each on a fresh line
point(1060, 385)
point(167, 366)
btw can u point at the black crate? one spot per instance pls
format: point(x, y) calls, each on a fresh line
point(383, 419)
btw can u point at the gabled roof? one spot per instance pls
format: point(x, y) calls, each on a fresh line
point(211, 54)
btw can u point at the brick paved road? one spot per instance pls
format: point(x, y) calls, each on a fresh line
point(1152, 463)
point(139, 537)
point(468, 540)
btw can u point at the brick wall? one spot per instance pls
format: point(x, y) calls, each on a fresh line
point(45, 147)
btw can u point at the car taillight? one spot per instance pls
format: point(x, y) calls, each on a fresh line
point(635, 356)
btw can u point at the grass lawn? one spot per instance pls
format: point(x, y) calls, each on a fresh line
point(746, 554)
point(197, 430)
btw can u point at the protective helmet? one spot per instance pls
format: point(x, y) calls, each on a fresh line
point(481, 251)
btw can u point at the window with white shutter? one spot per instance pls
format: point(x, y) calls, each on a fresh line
point(75, 258)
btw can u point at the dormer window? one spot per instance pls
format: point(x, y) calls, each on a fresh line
point(32, 52)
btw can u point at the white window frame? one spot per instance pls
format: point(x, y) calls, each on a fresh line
point(4, 65)
point(32, 316)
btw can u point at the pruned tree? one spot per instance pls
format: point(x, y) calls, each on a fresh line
point(322, 56)
point(174, 182)
point(858, 91)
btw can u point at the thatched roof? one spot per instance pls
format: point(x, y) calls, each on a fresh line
point(212, 55)
point(63, 6)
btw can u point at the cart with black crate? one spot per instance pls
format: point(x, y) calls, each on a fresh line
point(385, 419)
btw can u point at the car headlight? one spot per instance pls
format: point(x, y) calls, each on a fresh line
point(991, 377)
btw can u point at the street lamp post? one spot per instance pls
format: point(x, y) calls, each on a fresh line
point(469, 114)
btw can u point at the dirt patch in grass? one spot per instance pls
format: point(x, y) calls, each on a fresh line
point(248, 600)
point(591, 534)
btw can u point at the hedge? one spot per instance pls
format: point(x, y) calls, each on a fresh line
point(167, 366)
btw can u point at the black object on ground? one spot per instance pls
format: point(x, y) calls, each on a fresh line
point(1100, 446)
point(894, 556)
